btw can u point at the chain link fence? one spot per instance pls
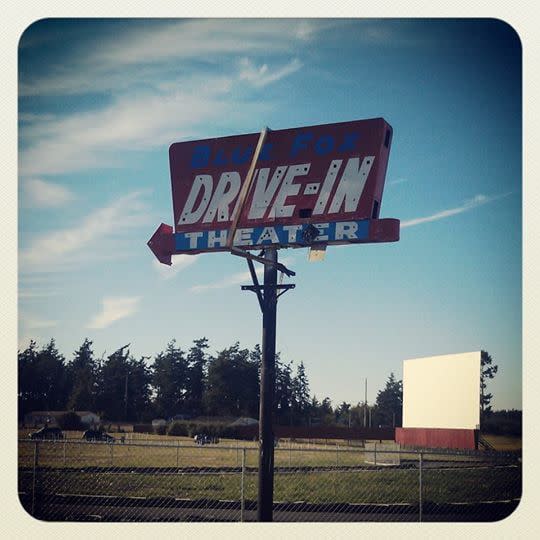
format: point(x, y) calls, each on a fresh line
point(74, 480)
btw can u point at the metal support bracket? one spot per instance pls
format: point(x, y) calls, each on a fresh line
point(258, 288)
point(250, 256)
point(256, 285)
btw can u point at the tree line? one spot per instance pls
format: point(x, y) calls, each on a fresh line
point(184, 383)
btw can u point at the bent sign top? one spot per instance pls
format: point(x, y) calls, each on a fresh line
point(328, 172)
point(326, 178)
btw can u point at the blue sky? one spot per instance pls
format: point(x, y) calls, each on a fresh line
point(100, 101)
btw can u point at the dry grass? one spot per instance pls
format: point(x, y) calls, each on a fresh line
point(504, 443)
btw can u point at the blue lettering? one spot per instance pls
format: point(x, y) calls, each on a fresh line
point(299, 142)
point(220, 158)
point(349, 142)
point(238, 157)
point(324, 145)
point(188, 242)
point(200, 157)
point(265, 152)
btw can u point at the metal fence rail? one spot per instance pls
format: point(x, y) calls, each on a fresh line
point(73, 480)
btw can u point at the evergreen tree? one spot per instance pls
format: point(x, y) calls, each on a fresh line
point(321, 412)
point(43, 382)
point(82, 372)
point(283, 396)
point(487, 371)
point(301, 399)
point(197, 366)
point(326, 412)
point(139, 390)
point(389, 403)
point(113, 380)
point(29, 392)
point(232, 384)
point(342, 413)
point(170, 381)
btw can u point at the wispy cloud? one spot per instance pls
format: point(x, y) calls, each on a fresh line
point(141, 122)
point(234, 279)
point(228, 281)
point(114, 309)
point(179, 262)
point(53, 248)
point(27, 294)
point(41, 194)
point(137, 54)
point(263, 75)
point(396, 181)
point(158, 88)
point(477, 200)
point(35, 323)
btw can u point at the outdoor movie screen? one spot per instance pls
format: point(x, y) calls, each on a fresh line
point(442, 391)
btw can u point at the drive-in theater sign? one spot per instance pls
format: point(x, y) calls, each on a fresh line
point(311, 186)
point(319, 184)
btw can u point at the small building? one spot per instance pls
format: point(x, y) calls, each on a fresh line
point(244, 421)
point(50, 418)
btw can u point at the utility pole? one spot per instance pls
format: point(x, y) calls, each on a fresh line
point(267, 296)
point(365, 404)
point(265, 494)
point(126, 396)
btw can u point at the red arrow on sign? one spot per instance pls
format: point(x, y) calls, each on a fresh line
point(162, 243)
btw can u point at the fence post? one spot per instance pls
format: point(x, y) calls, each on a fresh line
point(34, 478)
point(290, 456)
point(242, 498)
point(420, 487)
point(375, 455)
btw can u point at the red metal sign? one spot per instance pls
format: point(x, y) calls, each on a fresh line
point(328, 172)
point(313, 185)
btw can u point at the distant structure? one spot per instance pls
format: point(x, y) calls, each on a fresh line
point(441, 402)
point(244, 421)
point(41, 418)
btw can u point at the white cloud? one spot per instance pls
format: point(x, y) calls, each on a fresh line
point(99, 135)
point(93, 139)
point(35, 323)
point(262, 76)
point(31, 293)
point(114, 309)
point(140, 53)
point(235, 279)
point(158, 94)
point(396, 181)
point(240, 278)
point(179, 262)
point(145, 54)
point(476, 201)
point(53, 249)
point(41, 194)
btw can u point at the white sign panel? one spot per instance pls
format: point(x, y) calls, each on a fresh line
point(442, 391)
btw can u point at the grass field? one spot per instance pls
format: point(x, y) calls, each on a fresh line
point(504, 443)
point(147, 450)
point(382, 486)
point(178, 471)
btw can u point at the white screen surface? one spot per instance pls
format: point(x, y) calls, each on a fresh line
point(442, 391)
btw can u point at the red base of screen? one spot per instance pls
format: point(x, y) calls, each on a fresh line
point(466, 439)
